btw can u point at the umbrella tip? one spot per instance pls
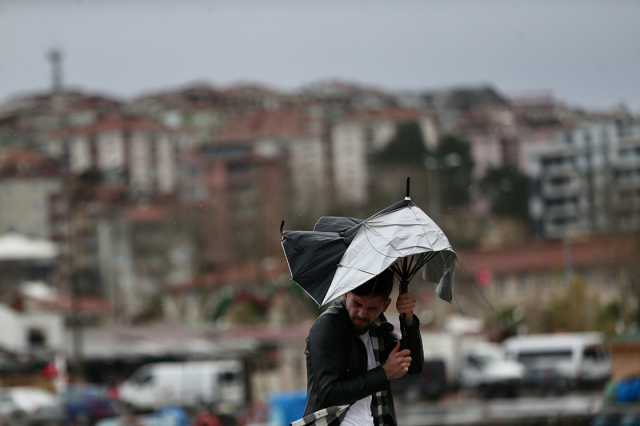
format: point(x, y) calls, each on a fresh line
point(281, 226)
point(408, 188)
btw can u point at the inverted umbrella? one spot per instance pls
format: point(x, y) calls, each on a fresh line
point(341, 253)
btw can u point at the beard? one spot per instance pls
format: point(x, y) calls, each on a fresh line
point(361, 328)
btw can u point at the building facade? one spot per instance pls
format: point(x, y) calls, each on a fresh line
point(587, 179)
point(355, 138)
point(141, 155)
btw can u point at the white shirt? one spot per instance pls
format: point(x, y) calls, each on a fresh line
point(360, 413)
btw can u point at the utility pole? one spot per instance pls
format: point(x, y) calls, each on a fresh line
point(566, 254)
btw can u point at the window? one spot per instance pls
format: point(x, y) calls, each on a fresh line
point(523, 283)
point(36, 337)
point(568, 137)
point(229, 377)
point(590, 278)
point(142, 377)
point(542, 280)
point(549, 357)
point(501, 286)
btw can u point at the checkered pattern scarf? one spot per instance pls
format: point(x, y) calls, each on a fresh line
point(379, 408)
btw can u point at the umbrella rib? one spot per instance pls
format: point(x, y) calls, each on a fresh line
point(474, 283)
point(422, 260)
point(371, 244)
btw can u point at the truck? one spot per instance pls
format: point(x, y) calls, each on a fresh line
point(186, 384)
point(469, 362)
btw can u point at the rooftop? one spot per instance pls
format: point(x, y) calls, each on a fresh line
point(548, 255)
point(272, 123)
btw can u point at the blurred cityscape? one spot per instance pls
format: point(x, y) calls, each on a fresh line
point(146, 230)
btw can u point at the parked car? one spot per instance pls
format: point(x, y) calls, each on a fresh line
point(86, 403)
point(21, 406)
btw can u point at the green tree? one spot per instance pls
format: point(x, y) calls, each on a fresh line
point(455, 167)
point(573, 310)
point(508, 189)
point(407, 146)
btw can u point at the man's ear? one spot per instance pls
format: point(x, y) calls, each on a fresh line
point(386, 305)
point(344, 296)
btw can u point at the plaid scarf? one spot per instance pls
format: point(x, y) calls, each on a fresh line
point(379, 408)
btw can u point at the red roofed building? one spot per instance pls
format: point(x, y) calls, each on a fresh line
point(532, 274)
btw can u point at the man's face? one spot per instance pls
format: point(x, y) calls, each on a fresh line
point(363, 310)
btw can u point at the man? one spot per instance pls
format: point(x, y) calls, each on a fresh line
point(352, 354)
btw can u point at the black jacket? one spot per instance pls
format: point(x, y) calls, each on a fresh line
point(337, 361)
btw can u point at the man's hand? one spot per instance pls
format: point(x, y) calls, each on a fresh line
point(397, 364)
point(405, 305)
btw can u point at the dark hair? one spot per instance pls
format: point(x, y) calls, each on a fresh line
point(380, 285)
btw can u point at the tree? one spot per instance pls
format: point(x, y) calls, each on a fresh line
point(574, 310)
point(508, 189)
point(454, 165)
point(407, 146)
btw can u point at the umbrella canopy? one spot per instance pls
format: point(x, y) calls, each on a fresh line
point(341, 253)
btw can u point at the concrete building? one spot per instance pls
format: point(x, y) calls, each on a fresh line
point(27, 332)
point(24, 120)
point(480, 115)
point(25, 259)
point(587, 179)
point(240, 196)
point(142, 252)
point(27, 181)
point(356, 137)
point(531, 275)
point(202, 108)
point(295, 139)
point(142, 155)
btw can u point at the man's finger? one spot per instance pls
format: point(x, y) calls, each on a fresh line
point(395, 350)
point(403, 353)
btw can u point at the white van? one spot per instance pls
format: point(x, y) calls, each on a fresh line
point(581, 358)
point(485, 367)
point(184, 383)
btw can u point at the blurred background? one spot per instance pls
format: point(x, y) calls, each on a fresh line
point(149, 151)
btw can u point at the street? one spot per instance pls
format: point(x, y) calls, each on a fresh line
point(460, 411)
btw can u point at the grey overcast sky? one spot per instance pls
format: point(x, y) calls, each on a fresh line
point(586, 52)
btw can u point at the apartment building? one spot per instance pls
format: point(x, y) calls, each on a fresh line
point(356, 137)
point(587, 179)
point(295, 139)
point(27, 181)
point(240, 198)
point(142, 155)
point(24, 120)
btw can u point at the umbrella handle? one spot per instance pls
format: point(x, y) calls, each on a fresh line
point(404, 287)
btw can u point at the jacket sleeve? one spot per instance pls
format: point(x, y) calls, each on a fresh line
point(327, 346)
point(413, 343)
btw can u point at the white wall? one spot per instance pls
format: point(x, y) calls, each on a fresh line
point(14, 333)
